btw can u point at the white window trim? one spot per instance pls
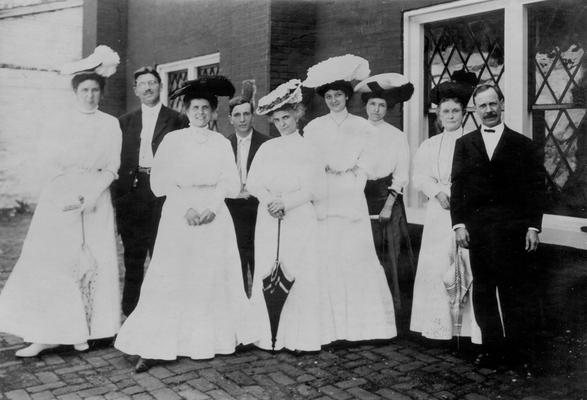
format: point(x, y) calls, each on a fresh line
point(190, 64)
point(557, 230)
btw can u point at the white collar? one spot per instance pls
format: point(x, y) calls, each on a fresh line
point(248, 137)
point(145, 109)
point(497, 128)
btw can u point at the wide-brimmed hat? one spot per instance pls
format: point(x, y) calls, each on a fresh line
point(338, 69)
point(392, 87)
point(460, 87)
point(289, 92)
point(103, 61)
point(207, 87)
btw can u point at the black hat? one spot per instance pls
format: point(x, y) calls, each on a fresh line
point(207, 87)
point(393, 88)
point(461, 87)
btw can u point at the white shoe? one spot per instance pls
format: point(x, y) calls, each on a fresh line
point(81, 346)
point(34, 349)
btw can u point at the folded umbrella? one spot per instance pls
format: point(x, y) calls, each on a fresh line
point(458, 280)
point(86, 273)
point(276, 287)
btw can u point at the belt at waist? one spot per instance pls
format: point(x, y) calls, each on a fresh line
point(144, 170)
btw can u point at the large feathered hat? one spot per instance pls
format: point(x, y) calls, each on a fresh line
point(460, 87)
point(287, 93)
point(337, 72)
point(207, 87)
point(393, 88)
point(103, 61)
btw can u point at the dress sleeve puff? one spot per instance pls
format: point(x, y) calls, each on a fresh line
point(258, 174)
point(425, 178)
point(228, 184)
point(401, 175)
point(162, 171)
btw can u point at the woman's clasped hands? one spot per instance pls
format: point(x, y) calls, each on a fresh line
point(194, 218)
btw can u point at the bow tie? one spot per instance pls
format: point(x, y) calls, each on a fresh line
point(489, 130)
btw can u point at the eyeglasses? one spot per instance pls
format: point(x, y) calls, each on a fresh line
point(147, 84)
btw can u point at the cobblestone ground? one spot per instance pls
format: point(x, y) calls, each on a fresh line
point(403, 368)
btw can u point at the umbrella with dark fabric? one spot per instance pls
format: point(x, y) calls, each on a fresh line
point(458, 281)
point(276, 287)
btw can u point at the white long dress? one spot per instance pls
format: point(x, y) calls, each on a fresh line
point(41, 301)
point(430, 307)
point(288, 167)
point(358, 304)
point(191, 299)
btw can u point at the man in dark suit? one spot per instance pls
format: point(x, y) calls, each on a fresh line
point(496, 210)
point(137, 209)
point(245, 143)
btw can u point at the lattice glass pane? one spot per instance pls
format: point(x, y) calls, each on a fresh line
point(557, 39)
point(473, 43)
point(175, 79)
point(208, 70)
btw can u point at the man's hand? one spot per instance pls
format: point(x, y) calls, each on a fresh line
point(462, 237)
point(444, 200)
point(207, 216)
point(532, 240)
point(276, 208)
point(192, 217)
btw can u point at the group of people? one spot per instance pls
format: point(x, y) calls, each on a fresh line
point(212, 212)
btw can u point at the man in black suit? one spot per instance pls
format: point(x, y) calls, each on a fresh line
point(245, 143)
point(496, 210)
point(137, 209)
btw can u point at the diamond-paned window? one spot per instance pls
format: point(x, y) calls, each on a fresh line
point(557, 99)
point(176, 79)
point(208, 70)
point(473, 43)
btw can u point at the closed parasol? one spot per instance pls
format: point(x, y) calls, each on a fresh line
point(276, 287)
point(458, 280)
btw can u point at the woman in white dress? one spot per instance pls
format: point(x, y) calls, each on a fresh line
point(358, 303)
point(431, 310)
point(192, 299)
point(42, 301)
point(286, 177)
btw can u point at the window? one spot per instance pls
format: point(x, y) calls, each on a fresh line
point(174, 74)
point(557, 97)
point(473, 43)
point(534, 51)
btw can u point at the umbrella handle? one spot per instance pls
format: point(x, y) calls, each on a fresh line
point(278, 238)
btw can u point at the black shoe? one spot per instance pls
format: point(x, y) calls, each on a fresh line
point(488, 360)
point(143, 365)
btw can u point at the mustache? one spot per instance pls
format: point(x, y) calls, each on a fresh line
point(490, 114)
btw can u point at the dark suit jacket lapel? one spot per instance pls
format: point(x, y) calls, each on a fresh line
point(255, 143)
point(478, 143)
point(162, 119)
point(233, 142)
point(503, 141)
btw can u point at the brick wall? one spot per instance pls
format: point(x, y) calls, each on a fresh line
point(370, 29)
point(105, 22)
point(161, 32)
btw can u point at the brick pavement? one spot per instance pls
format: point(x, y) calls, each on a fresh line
point(400, 369)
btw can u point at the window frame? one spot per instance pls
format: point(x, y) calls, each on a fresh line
point(558, 230)
point(191, 64)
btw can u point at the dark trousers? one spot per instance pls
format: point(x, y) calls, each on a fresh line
point(498, 262)
point(137, 216)
point(244, 216)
